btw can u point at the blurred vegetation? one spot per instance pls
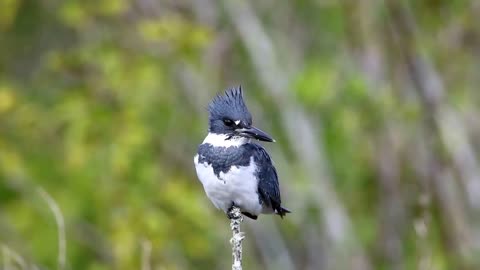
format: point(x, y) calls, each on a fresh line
point(374, 105)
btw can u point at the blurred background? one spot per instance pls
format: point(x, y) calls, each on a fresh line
point(374, 106)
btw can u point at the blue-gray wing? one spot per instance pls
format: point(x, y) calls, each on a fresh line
point(268, 186)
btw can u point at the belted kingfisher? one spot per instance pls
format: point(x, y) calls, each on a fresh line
point(234, 170)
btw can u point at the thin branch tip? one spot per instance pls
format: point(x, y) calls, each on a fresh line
point(236, 219)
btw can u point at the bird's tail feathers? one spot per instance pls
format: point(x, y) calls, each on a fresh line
point(282, 211)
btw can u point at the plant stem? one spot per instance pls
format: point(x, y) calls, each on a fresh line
point(236, 219)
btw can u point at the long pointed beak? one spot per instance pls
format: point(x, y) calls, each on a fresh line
point(255, 133)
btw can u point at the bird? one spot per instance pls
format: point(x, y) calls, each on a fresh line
point(234, 170)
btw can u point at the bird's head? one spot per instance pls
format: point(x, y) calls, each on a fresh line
point(228, 115)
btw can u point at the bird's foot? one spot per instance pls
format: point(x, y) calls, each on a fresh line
point(250, 215)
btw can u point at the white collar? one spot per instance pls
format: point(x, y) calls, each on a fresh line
point(223, 140)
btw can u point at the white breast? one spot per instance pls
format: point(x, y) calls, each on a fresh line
point(238, 185)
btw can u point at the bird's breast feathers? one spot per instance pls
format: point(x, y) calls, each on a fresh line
point(236, 184)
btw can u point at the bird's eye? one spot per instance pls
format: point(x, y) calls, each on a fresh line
point(228, 122)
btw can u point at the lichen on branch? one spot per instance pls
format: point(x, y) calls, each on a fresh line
point(236, 219)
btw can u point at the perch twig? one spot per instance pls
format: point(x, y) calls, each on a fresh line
point(236, 219)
